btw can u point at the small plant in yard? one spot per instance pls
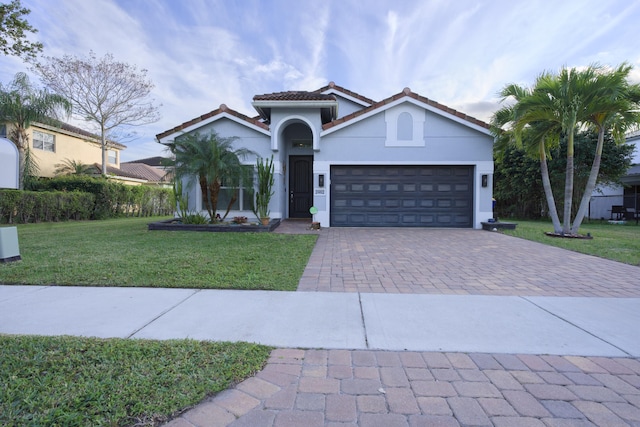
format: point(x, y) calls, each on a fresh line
point(239, 220)
point(264, 192)
point(181, 198)
point(195, 218)
point(68, 381)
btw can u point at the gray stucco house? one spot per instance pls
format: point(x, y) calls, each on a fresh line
point(405, 161)
point(626, 194)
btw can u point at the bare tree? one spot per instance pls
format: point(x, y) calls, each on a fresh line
point(109, 93)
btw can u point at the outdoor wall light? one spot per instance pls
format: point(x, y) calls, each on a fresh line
point(485, 180)
point(321, 180)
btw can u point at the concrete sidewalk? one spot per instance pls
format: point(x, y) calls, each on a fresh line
point(351, 321)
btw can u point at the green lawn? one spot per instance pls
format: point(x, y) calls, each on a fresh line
point(612, 241)
point(65, 381)
point(122, 252)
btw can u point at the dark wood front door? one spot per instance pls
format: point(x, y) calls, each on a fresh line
point(300, 186)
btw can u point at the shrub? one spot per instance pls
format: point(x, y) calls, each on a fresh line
point(196, 218)
point(113, 199)
point(31, 206)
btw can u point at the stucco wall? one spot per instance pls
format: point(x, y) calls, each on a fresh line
point(251, 139)
point(66, 147)
point(445, 142)
point(346, 106)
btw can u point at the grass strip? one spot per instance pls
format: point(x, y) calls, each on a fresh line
point(617, 242)
point(122, 252)
point(71, 381)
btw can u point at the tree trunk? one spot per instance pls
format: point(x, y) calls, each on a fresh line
point(548, 192)
point(568, 184)
point(18, 137)
point(21, 164)
point(231, 202)
point(104, 150)
point(591, 183)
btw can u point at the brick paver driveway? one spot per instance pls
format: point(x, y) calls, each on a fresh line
point(455, 261)
point(369, 388)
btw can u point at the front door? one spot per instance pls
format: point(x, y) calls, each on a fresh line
point(300, 186)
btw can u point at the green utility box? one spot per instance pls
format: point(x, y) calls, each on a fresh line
point(9, 249)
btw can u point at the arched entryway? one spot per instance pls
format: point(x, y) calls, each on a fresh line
point(296, 140)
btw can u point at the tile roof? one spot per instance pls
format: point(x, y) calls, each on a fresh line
point(115, 171)
point(151, 161)
point(406, 93)
point(144, 171)
point(223, 109)
point(317, 95)
point(352, 94)
point(294, 96)
point(77, 131)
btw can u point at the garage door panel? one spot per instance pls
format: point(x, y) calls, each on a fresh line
point(405, 196)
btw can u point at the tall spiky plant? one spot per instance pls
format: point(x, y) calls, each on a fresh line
point(264, 192)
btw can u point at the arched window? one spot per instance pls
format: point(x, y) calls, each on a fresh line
point(405, 127)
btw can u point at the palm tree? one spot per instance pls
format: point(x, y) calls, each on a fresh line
point(616, 108)
point(213, 160)
point(73, 167)
point(21, 105)
point(563, 103)
point(568, 93)
point(531, 126)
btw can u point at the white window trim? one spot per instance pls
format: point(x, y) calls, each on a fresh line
point(418, 116)
point(53, 139)
point(115, 156)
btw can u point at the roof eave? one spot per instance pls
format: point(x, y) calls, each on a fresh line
point(168, 137)
point(263, 107)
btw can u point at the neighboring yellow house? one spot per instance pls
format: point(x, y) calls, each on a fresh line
point(51, 145)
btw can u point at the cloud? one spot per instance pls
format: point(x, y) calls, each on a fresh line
point(201, 53)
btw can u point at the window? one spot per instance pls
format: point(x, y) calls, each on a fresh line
point(405, 127)
point(3, 131)
point(44, 141)
point(244, 201)
point(113, 157)
point(301, 143)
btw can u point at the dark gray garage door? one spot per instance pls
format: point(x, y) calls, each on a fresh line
point(401, 196)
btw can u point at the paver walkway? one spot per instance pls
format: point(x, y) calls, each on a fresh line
point(458, 261)
point(370, 388)
point(387, 389)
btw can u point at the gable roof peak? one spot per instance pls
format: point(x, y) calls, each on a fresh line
point(223, 109)
point(406, 92)
point(333, 87)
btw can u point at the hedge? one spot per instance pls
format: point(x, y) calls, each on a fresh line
point(32, 206)
point(82, 197)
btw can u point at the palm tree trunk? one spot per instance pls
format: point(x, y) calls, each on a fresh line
point(234, 197)
point(19, 139)
point(591, 183)
point(568, 184)
point(548, 192)
point(206, 191)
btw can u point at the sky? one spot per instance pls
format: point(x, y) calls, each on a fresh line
point(203, 53)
